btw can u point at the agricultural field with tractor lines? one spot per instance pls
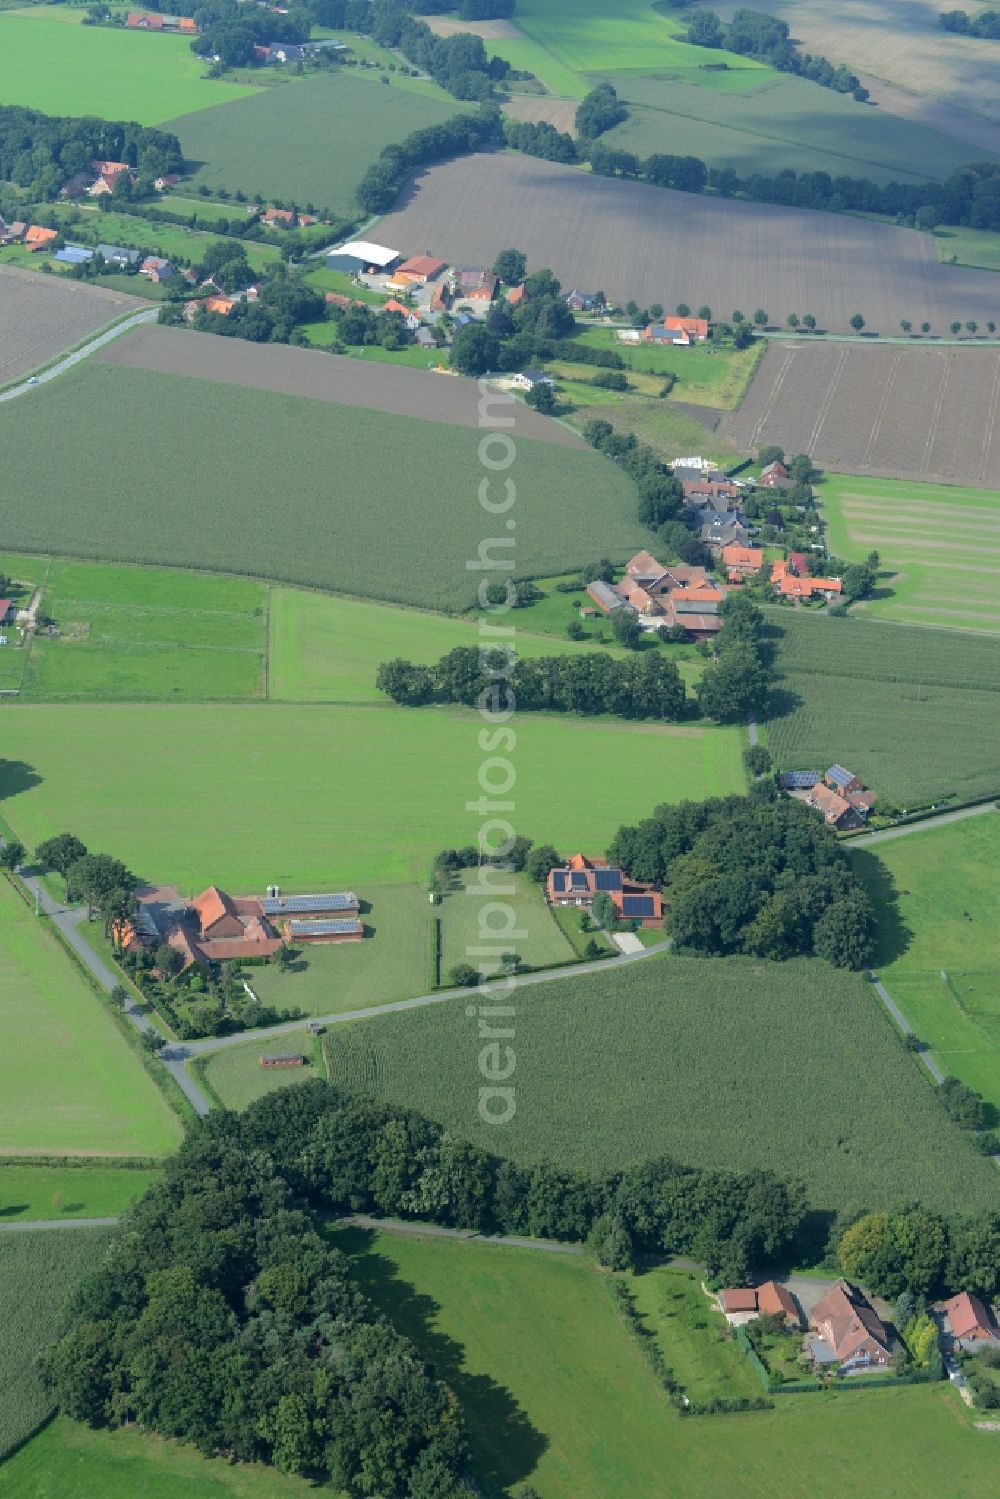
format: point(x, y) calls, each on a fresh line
point(40, 316)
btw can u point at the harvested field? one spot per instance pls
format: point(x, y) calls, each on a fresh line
point(898, 40)
point(533, 110)
point(946, 118)
point(660, 246)
point(40, 316)
point(322, 377)
point(890, 411)
point(490, 31)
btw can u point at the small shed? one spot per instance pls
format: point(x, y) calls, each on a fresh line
point(282, 1059)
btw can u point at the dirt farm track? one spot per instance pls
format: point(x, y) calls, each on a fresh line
point(40, 316)
point(321, 377)
point(630, 240)
point(885, 410)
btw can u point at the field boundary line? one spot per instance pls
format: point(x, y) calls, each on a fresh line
point(827, 401)
point(773, 398)
point(267, 642)
point(935, 420)
point(42, 373)
point(880, 413)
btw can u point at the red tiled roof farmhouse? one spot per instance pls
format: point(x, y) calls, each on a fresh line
point(969, 1318)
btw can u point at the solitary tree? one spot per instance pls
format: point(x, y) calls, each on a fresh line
point(510, 266)
point(906, 325)
point(925, 327)
point(760, 318)
point(991, 327)
point(737, 317)
point(542, 397)
point(792, 320)
point(956, 329)
point(540, 861)
point(60, 853)
point(809, 321)
point(626, 628)
point(682, 309)
point(603, 909)
point(973, 328)
point(12, 854)
point(704, 311)
point(857, 322)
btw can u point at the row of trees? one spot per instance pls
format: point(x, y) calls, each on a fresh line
point(41, 152)
point(103, 883)
point(969, 196)
point(759, 874)
point(751, 33)
point(377, 190)
point(985, 25)
point(737, 681)
point(645, 685)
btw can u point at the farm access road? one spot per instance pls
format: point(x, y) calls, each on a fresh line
point(148, 315)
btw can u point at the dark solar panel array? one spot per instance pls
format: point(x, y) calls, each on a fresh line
point(579, 879)
point(559, 879)
point(638, 905)
point(323, 928)
point(277, 905)
point(608, 879)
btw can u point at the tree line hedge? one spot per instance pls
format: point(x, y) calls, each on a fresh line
point(41, 152)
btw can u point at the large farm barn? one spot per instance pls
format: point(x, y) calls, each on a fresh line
point(886, 410)
point(42, 315)
point(655, 245)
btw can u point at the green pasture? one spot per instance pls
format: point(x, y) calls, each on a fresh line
point(38, 1270)
point(939, 546)
point(635, 38)
point(914, 713)
point(976, 247)
point(943, 968)
point(149, 633)
point(697, 1346)
point(235, 1076)
point(324, 281)
point(38, 1192)
point(324, 648)
point(100, 70)
point(669, 431)
point(783, 123)
point(262, 145)
point(466, 917)
point(314, 796)
point(69, 1085)
point(557, 1394)
point(379, 505)
point(706, 376)
point(68, 1459)
point(677, 1056)
point(208, 212)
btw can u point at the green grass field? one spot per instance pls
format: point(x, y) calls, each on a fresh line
point(783, 123)
point(70, 69)
point(914, 713)
point(557, 1394)
point(312, 796)
point(693, 1338)
point(237, 1079)
point(705, 376)
point(38, 1270)
point(728, 1063)
point(947, 981)
point(39, 1192)
point(375, 505)
point(326, 649)
point(257, 145)
point(542, 945)
point(69, 1461)
point(636, 39)
point(939, 544)
point(69, 1085)
point(208, 212)
point(138, 632)
point(977, 247)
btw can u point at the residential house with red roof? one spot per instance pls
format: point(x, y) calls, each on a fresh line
point(740, 562)
point(851, 1335)
point(580, 879)
point(36, 238)
point(418, 270)
point(837, 811)
point(682, 331)
point(742, 1304)
point(970, 1323)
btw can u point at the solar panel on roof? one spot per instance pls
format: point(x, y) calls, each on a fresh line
point(579, 879)
point(559, 879)
point(277, 905)
point(608, 879)
point(638, 905)
point(323, 928)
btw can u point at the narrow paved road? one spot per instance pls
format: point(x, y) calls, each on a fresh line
point(551, 975)
point(867, 839)
point(67, 920)
point(148, 315)
point(752, 731)
point(56, 1223)
point(412, 1230)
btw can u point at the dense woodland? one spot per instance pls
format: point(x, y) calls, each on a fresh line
point(759, 874)
point(40, 152)
point(752, 33)
point(222, 1316)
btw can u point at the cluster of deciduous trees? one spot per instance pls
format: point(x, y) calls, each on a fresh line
point(283, 302)
point(645, 685)
point(661, 496)
point(970, 196)
point(105, 884)
point(41, 152)
point(751, 33)
point(922, 1253)
point(736, 683)
point(377, 189)
point(985, 25)
point(599, 111)
point(760, 874)
point(223, 1317)
point(230, 31)
point(511, 337)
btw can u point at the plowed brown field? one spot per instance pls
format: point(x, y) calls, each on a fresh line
point(40, 316)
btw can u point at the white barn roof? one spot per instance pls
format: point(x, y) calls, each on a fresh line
point(364, 249)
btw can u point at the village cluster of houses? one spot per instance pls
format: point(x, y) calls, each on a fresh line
point(838, 794)
point(844, 1332)
point(663, 597)
point(580, 879)
point(140, 21)
point(682, 332)
point(218, 928)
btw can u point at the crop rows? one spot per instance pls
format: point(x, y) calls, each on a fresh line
point(690, 1066)
point(37, 1272)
